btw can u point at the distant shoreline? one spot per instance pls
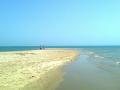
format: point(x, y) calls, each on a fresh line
point(27, 48)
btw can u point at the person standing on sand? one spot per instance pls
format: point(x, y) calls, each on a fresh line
point(42, 47)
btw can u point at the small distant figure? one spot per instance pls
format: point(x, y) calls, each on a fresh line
point(42, 47)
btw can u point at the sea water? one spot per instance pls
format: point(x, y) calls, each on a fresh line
point(96, 68)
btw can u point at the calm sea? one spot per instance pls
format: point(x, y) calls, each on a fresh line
point(17, 48)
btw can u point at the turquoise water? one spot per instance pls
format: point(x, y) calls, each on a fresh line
point(97, 68)
point(17, 48)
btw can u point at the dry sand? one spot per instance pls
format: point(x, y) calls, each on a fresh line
point(20, 68)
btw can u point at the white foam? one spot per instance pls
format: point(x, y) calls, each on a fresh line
point(97, 56)
point(117, 63)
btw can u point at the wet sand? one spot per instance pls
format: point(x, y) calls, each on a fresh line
point(33, 69)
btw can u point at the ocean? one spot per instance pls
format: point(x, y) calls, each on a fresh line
point(17, 48)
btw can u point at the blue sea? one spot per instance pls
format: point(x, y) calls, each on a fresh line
point(17, 48)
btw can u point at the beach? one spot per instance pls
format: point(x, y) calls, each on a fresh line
point(23, 70)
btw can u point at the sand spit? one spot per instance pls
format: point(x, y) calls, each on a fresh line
point(20, 68)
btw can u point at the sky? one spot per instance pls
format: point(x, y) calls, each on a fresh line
point(59, 22)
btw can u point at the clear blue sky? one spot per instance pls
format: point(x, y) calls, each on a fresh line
point(59, 22)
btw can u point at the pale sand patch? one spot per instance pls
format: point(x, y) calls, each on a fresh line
point(19, 68)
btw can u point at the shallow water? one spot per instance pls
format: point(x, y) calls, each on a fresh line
point(94, 69)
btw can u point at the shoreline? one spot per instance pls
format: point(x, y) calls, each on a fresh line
point(20, 68)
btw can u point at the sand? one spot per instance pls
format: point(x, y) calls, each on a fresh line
point(19, 69)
